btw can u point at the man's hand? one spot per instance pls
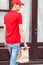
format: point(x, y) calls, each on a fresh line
point(6, 47)
point(25, 45)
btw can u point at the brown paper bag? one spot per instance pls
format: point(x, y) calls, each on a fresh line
point(23, 55)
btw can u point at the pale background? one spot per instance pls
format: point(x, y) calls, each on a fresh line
point(40, 21)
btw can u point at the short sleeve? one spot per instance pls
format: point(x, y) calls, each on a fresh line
point(20, 18)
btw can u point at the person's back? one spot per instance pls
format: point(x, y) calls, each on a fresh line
point(13, 31)
point(12, 19)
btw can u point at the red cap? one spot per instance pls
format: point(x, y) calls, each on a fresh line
point(17, 2)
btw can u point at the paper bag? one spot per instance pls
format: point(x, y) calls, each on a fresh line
point(23, 55)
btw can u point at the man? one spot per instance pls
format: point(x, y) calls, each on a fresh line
point(13, 30)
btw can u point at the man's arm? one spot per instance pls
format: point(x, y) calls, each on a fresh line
point(4, 32)
point(22, 34)
point(5, 35)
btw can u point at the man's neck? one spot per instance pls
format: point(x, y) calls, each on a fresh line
point(14, 9)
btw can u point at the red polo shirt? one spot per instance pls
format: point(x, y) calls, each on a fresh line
point(12, 20)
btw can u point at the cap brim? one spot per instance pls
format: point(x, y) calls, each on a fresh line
point(22, 3)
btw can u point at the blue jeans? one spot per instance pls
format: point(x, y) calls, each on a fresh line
point(13, 49)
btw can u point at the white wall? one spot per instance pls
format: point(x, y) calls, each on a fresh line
point(26, 11)
point(40, 21)
point(4, 4)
